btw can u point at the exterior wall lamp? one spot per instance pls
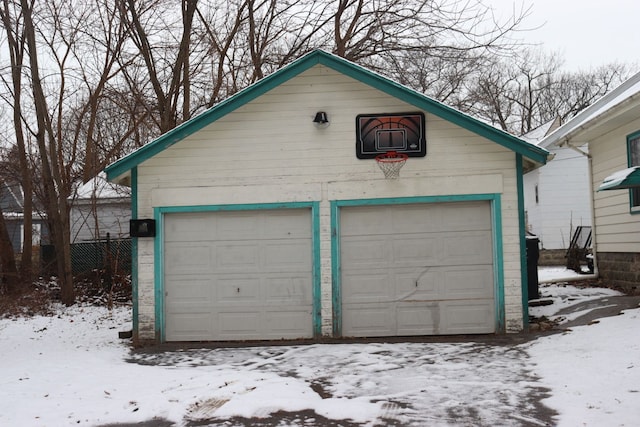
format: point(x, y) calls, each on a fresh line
point(321, 119)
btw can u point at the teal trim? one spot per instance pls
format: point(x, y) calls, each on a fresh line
point(319, 57)
point(159, 286)
point(158, 275)
point(316, 286)
point(498, 265)
point(524, 272)
point(239, 207)
point(336, 271)
point(633, 204)
point(134, 255)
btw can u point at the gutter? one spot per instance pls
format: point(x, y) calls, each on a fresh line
point(610, 112)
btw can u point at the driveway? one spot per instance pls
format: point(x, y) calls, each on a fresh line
point(434, 381)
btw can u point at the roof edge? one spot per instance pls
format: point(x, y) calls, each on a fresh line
point(581, 120)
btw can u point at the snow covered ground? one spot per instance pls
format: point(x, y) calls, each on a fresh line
point(71, 369)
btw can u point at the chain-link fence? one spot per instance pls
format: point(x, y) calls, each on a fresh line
point(113, 256)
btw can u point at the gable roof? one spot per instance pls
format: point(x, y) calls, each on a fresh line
point(99, 188)
point(319, 57)
point(612, 110)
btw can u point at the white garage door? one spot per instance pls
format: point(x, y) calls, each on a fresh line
point(419, 269)
point(241, 275)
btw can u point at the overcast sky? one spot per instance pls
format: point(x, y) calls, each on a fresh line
point(587, 33)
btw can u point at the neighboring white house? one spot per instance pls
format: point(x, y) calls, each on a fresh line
point(100, 207)
point(611, 128)
point(557, 195)
point(263, 220)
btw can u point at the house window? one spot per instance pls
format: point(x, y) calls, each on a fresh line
point(633, 147)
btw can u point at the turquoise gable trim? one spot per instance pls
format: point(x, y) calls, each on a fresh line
point(158, 276)
point(524, 274)
point(159, 286)
point(319, 57)
point(134, 254)
point(498, 265)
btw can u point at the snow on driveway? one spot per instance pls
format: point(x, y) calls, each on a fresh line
point(71, 369)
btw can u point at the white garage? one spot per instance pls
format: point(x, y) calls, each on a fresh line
point(417, 269)
point(238, 275)
point(267, 215)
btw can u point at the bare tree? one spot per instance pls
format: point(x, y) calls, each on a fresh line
point(70, 53)
point(167, 67)
point(15, 45)
point(365, 30)
point(520, 93)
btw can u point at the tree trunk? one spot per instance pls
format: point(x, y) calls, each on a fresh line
point(55, 201)
point(8, 272)
point(15, 45)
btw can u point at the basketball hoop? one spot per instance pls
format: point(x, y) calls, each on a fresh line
point(390, 163)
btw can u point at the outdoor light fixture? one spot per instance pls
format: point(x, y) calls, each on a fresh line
point(321, 119)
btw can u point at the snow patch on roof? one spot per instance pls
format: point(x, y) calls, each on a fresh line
point(100, 188)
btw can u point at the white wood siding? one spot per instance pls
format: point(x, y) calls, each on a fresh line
point(563, 198)
point(617, 230)
point(269, 151)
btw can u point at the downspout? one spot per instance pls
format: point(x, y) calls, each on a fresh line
point(595, 274)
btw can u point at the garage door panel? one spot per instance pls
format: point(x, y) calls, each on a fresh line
point(419, 285)
point(236, 226)
point(465, 216)
point(294, 227)
point(229, 257)
point(418, 319)
point(415, 219)
point(461, 317)
point(252, 275)
point(372, 320)
point(238, 324)
point(467, 282)
point(193, 290)
point(415, 250)
point(288, 256)
point(194, 227)
point(238, 290)
point(287, 323)
point(409, 271)
point(466, 248)
point(188, 259)
point(363, 253)
point(192, 326)
point(288, 290)
point(372, 287)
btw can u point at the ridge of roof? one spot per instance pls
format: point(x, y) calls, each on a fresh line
point(320, 57)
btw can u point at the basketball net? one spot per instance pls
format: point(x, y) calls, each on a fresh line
point(390, 163)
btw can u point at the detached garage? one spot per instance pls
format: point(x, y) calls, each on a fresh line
point(268, 217)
